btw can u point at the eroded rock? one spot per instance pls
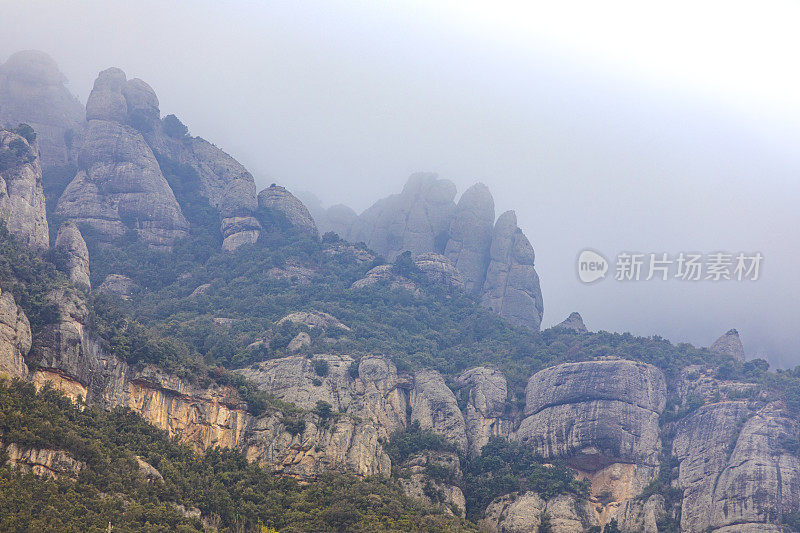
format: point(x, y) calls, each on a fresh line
point(32, 91)
point(485, 414)
point(22, 202)
point(71, 243)
point(279, 200)
point(15, 338)
point(471, 235)
point(729, 344)
point(511, 288)
point(574, 322)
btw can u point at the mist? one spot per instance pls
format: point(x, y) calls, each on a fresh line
point(622, 140)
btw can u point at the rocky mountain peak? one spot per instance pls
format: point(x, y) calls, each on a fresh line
point(729, 344)
point(32, 91)
point(119, 186)
point(573, 322)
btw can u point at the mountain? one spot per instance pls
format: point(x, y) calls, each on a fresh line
point(182, 354)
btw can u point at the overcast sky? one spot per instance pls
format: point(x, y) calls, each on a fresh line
point(618, 126)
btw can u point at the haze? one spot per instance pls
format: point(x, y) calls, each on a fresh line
point(651, 127)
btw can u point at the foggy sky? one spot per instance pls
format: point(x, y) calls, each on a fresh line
point(662, 131)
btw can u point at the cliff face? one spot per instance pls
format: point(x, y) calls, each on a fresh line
point(15, 338)
point(22, 202)
point(735, 469)
point(600, 417)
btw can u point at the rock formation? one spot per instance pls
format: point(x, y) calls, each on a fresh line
point(495, 259)
point(119, 186)
point(512, 288)
point(729, 344)
point(574, 322)
point(32, 91)
point(70, 241)
point(523, 513)
point(439, 270)
point(735, 470)
point(470, 235)
point(313, 319)
point(42, 462)
point(217, 176)
point(434, 406)
point(15, 338)
point(22, 203)
point(486, 411)
point(417, 219)
point(416, 481)
point(118, 284)
point(278, 200)
point(338, 218)
point(601, 418)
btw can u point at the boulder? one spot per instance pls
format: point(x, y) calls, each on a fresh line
point(279, 200)
point(511, 287)
point(471, 235)
point(385, 274)
point(574, 322)
point(22, 202)
point(729, 344)
point(32, 91)
point(70, 242)
point(439, 270)
point(313, 319)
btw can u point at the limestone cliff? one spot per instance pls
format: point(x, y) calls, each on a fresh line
point(42, 462)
